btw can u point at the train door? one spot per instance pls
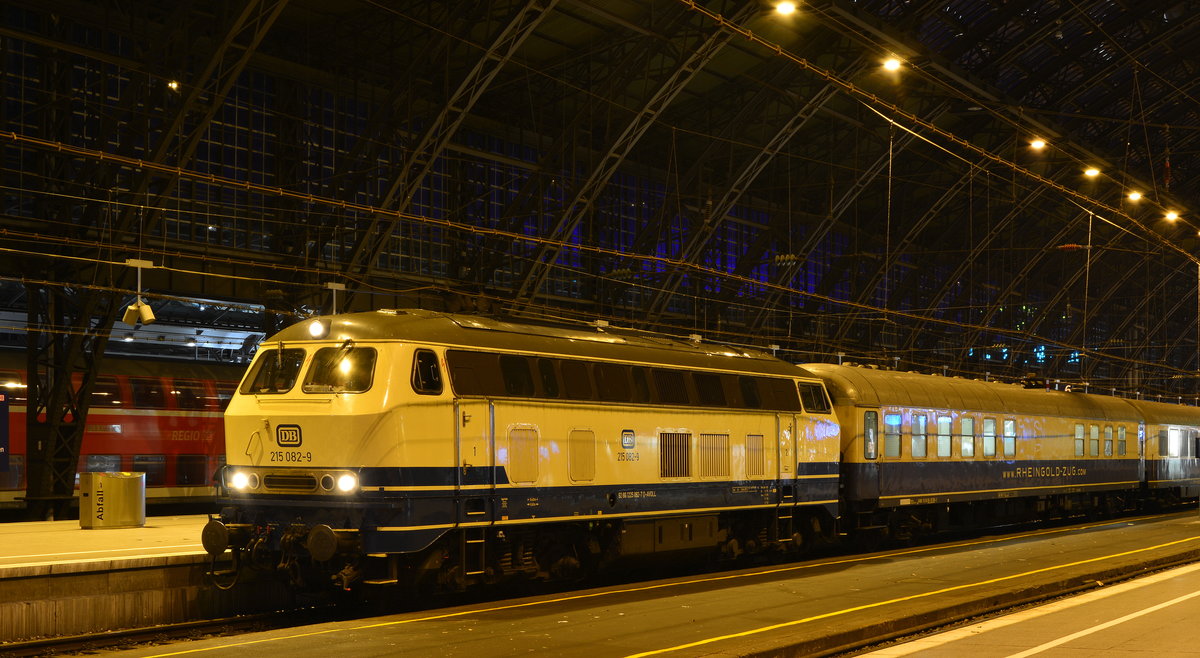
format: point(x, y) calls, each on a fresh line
point(786, 476)
point(1141, 452)
point(474, 480)
point(475, 475)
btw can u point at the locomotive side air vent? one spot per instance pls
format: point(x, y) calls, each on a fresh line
point(282, 482)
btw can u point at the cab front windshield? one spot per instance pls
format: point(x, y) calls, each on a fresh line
point(342, 369)
point(274, 372)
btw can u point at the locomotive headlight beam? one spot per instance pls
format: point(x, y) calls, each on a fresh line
point(347, 482)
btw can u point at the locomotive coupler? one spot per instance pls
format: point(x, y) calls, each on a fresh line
point(218, 536)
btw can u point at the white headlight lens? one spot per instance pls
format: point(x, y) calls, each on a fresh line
point(239, 481)
point(317, 329)
point(347, 483)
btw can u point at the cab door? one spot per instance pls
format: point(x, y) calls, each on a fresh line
point(475, 472)
point(785, 525)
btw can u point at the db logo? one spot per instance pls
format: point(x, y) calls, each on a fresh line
point(287, 436)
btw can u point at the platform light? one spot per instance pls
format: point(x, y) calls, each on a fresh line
point(785, 8)
point(1091, 172)
point(1172, 215)
point(1037, 144)
point(1135, 196)
point(891, 64)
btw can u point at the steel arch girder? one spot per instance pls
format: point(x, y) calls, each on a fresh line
point(433, 141)
point(733, 193)
point(579, 206)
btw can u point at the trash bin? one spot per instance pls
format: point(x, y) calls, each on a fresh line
point(112, 500)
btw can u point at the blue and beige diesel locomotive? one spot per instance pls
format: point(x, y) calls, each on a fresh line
point(416, 447)
point(429, 449)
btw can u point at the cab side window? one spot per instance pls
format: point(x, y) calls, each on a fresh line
point(427, 375)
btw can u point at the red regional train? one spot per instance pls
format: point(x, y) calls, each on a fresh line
point(162, 418)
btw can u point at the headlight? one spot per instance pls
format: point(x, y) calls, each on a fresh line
point(347, 483)
point(242, 480)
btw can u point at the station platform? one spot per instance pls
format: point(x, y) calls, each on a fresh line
point(820, 607)
point(58, 579)
point(37, 546)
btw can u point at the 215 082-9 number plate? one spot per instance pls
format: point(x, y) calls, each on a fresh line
point(291, 456)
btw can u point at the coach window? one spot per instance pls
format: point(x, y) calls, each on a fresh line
point(275, 371)
point(11, 382)
point(943, 436)
point(612, 382)
point(1120, 440)
point(750, 396)
point(341, 369)
point(920, 440)
point(891, 435)
point(14, 477)
point(1108, 441)
point(968, 437)
point(518, 381)
point(577, 380)
point(708, 387)
point(426, 375)
point(670, 386)
point(870, 434)
point(1174, 442)
point(188, 394)
point(1094, 441)
point(106, 393)
point(1078, 439)
point(102, 463)
point(154, 466)
point(641, 385)
point(191, 470)
point(225, 394)
point(989, 437)
point(548, 377)
point(815, 400)
point(148, 393)
point(784, 396)
point(1010, 437)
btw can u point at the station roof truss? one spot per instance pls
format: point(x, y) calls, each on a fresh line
point(686, 166)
